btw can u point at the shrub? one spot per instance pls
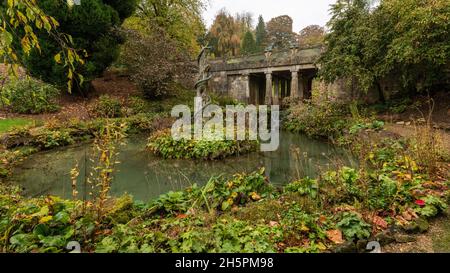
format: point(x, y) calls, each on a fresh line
point(107, 107)
point(48, 139)
point(325, 120)
point(306, 186)
point(162, 143)
point(45, 223)
point(240, 189)
point(29, 96)
point(241, 237)
point(300, 231)
point(223, 100)
point(137, 105)
point(154, 60)
point(374, 125)
point(353, 226)
point(219, 193)
point(432, 206)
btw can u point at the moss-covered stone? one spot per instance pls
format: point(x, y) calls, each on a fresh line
point(419, 225)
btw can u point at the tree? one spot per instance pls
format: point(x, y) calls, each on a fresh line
point(245, 21)
point(346, 43)
point(248, 44)
point(408, 39)
point(92, 25)
point(19, 23)
point(261, 34)
point(419, 49)
point(279, 32)
point(311, 35)
point(162, 39)
point(225, 33)
point(179, 19)
point(154, 60)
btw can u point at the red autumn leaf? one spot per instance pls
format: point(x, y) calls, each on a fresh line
point(420, 202)
point(181, 216)
point(335, 236)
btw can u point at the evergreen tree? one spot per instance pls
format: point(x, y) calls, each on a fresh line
point(248, 44)
point(261, 34)
point(92, 26)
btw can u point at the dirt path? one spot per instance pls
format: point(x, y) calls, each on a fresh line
point(408, 131)
point(436, 240)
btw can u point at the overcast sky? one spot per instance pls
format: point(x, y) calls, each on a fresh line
point(303, 12)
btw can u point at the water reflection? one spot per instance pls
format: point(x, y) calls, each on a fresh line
point(145, 176)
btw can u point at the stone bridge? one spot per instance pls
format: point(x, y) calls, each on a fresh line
point(266, 78)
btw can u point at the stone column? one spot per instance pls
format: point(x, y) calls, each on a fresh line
point(294, 84)
point(223, 83)
point(301, 86)
point(269, 88)
point(246, 79)
point(289, 86)
point(276, 96)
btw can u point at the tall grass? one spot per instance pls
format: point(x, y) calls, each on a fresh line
point(426, 142)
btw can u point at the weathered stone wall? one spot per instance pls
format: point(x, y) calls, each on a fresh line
point(219, 83)
point(343, 90)
point(346, 90)
point(238, 87)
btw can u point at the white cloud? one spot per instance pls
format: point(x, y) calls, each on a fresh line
point(303, 12)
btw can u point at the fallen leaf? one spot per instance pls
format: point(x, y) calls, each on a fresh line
point(380, 222)
point(182, 216)
point(335, 236)
point(322, 219)
point(273, 224)
point(321, 246)
point(406, 216)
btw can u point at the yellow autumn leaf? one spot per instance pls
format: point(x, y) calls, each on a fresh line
point(58, 58)
point(45, 219)
point(255, 196)
point(304, 228)
point(42, 212)
point(321, 246)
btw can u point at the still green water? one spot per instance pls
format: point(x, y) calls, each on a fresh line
point(146, 176)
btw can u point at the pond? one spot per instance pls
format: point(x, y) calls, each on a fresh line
point(146, 176)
